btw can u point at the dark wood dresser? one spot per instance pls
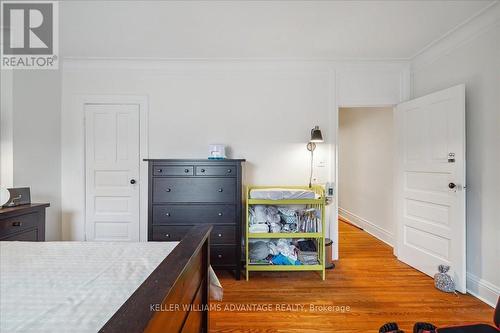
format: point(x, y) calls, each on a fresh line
point(186, 193)
point(23, 223)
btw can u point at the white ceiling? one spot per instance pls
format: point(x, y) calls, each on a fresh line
point(258, 29)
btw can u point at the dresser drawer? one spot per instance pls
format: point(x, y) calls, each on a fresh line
point(29, 235)
point(223, 235)
point(173, 170)
point(18, 223)
point(169, 233)
point(172, 190)
point(191, 214)
point(215, 170)
point(222, 255)
point(219, 234)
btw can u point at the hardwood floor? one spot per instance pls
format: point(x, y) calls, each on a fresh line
point(368, 279)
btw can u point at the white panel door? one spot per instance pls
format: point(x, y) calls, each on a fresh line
point(112, 172)
point(430, 205)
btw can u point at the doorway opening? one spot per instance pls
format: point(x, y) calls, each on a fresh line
point(427, 207)
point(366, 170)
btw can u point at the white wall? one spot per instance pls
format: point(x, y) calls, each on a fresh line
point(6, 106)
point(193, 69)
point(37, 141)
point(472, 56)
point(263, 110)
point(366, 169)
point(263, 115)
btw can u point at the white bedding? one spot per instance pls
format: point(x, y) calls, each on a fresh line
point(70, 286)
point(281, 194)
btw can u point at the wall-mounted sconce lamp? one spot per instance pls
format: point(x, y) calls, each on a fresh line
point(316, 137)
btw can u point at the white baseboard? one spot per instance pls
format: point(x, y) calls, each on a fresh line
point(371, 228)
point(477, 287)
point(482, 289)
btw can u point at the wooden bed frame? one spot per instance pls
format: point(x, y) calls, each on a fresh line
point(174, 298)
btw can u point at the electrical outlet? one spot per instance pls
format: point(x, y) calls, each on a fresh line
point(330, 189)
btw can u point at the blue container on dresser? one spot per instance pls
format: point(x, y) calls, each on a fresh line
point(186, 193)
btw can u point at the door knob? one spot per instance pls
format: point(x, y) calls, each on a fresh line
point(132, 181)
point(452, 185)
point(220, 190)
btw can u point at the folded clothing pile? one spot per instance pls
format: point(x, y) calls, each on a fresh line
point(265, 219)
point(273, 252)
point(258, 250)
point(282, 260)
point(307, 257)
point(289, 219)
point(307, 251)
point(264, 214)
point(258, 228)
point(307, 245)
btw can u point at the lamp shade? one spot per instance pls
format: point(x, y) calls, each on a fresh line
point(316, 135)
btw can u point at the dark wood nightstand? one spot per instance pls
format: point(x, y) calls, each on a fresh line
point(23, 223)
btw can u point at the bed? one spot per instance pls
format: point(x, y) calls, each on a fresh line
point(105, 287)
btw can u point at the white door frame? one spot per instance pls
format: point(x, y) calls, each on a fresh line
point(6, 128)
point(335, 232)
point(142, 101)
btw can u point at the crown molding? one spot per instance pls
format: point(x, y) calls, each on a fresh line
point(482, 22)
point(466, 31)
point(243, 64)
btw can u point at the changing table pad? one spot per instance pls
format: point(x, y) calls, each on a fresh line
point(71, 286)
point(281, 194)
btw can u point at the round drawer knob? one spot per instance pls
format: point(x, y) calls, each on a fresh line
point(220, 214)
point(167, 235)
point(160, 170)
point(186, 170)
point(202, 170)
point(219, 235)
point(167, 214)
point(229, 170)
point(219, 256)
point(220, 190)
point(168, 190)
